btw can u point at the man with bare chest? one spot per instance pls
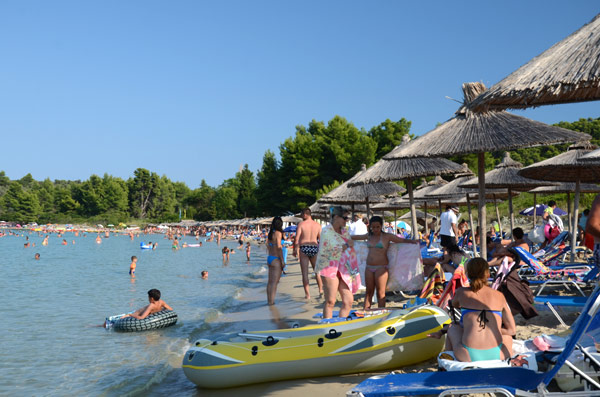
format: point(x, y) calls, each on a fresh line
point(306, 245)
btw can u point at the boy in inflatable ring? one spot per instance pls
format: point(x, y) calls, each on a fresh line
point(156, 305)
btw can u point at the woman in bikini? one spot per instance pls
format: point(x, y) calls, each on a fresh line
point(274, 258)
point(487, 325)
point(376, 272)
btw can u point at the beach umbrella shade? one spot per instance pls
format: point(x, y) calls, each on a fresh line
point(569, 71)
point(591, 156)
point(398, 169)
point(481, 132)
point(539, 211)
point(506, 175)
point(566, 167)
point(290, 229)
point(349, 193)
point(565, 187)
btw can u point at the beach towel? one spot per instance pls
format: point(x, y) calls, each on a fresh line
point(459, 279)
point(405, 265)
point(333, 259)
point(434, 285)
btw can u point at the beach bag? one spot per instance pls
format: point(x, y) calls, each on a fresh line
point(518, 294)
point(537, 235)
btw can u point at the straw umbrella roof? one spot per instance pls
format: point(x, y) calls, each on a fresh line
point(388, 169)
point(591, 156)
point(423, 193)
point(420, 215)
point(566, 166)
point(566, 187)
point(506, 175)
point(569, 71)
point(473, 132)
point(348, 192)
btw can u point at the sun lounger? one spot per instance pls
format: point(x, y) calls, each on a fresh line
point(514, 381)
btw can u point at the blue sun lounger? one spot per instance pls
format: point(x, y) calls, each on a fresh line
point(512, 381)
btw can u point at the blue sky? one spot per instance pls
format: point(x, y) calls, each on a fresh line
point(195, 89)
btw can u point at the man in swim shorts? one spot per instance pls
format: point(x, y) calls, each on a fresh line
point(306, 245)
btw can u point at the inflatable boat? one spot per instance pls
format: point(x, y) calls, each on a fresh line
point(162, 319)
point(396, 339)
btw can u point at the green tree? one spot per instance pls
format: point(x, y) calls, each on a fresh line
point(246, 192)
point(388, 135)
point(225, 201)
point(19, 205)
point(269, 187)
point(202, 202)
point(142, 191)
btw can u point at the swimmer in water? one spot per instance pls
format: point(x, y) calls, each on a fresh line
point(132, 266)
point(37, 256)
point(204, 274)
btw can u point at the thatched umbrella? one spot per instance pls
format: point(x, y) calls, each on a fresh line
point(394, 169)
point(472, 132)
point(569, 71)
point(568, 187)
point(566, 167)
point(591, 156)
point(349, 193)
point(506, 175)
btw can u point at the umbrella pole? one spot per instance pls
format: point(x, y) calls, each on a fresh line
point(573, 225)
point(352, 206)
point(395, 225)
point(440, 205)
point(498, 216)
point(367, 201)
point(426, 226)
point(413, 212)
point(512, 215)
point(569, 211)
point(481, 206)
point(472, 224)
point(534, 207)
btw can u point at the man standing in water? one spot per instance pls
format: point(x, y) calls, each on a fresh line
point(306, 244)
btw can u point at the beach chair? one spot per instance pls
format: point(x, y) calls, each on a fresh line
point(537, 273)
point(513, 381)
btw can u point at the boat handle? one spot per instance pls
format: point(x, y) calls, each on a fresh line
point(270, 341)
point(390, 330)
point(333, 334)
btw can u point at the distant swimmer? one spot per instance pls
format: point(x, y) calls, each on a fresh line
point(98, 239)
point(175, 245)
point(225, 252)
point(248, 251)
point(154, 245)
point(204, 274)
point(37, 256)
point(132, 266)
point(45, 242)
point(64, 242)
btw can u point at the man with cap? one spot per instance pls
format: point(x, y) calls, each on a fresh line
point(448, 229)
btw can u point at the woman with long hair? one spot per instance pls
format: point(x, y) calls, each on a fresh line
point(376, 272)
point(337, 264)
point(487, 325)
point(274, 258)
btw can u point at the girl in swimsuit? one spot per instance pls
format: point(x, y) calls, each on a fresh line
point(274, 258)
point(487, 325)
point(376, 272)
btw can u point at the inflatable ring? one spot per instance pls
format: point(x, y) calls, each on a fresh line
point(162, 319)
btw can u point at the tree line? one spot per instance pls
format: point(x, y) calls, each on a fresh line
point(311, 162)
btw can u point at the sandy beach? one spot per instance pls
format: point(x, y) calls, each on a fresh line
point(292, 307)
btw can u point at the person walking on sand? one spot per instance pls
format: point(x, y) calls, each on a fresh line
point(274, 258)
point(306, 245)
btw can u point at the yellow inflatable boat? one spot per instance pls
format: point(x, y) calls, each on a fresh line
point(397, 339)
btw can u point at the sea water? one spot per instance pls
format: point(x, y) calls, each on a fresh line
point(52, 342)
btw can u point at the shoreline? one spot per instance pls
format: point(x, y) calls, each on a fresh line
point(291, 307)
